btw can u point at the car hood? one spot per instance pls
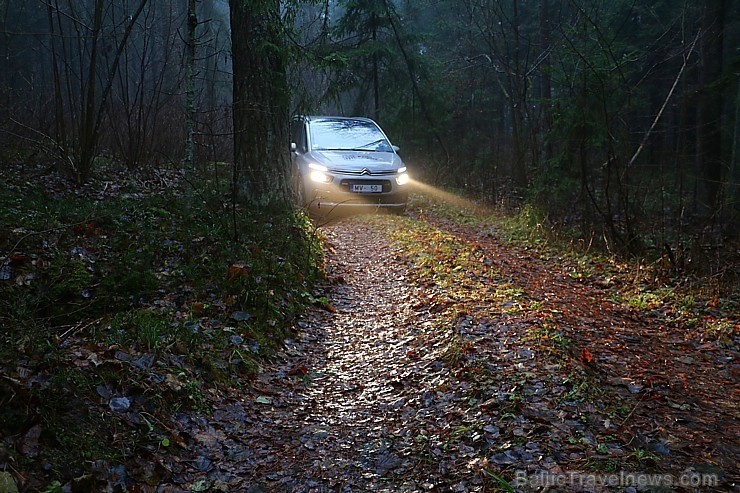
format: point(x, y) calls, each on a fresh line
point(357, 160)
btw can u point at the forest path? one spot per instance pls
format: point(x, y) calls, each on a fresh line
point(342, 423)
point(336, 409)
point(460, 363)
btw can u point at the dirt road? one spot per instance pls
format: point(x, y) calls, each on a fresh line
point(465, 364)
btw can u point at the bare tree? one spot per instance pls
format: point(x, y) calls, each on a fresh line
point(76, 45)
point(139, 117)
point(509, 54)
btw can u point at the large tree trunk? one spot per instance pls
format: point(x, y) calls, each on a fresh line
point(261, 102)
point(709, 116)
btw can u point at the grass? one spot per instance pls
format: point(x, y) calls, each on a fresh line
point(454, 270)
point(142, 329)
point(138, 293)
point(456, 352)
point(696, 297)
point(548, 340)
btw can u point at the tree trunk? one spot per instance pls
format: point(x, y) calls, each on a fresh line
point(60, 128)
point(376, 77)
point(709, 116)
point(261, 102)
point(733, 173)
point(88, 140)
point(414, 83)
point(190, 109)
point(518, 100)
point(77, 142)
point(545, 80)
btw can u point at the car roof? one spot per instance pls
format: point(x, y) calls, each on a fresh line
point(331, 117)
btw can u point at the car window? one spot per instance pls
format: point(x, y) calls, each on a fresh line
point(341, 134)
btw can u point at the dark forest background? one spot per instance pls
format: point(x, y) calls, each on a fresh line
point(615, 119)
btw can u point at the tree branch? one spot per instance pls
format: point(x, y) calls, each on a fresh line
point(665, 103)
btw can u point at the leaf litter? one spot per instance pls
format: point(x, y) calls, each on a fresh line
point(461, 368)
point(436, 359)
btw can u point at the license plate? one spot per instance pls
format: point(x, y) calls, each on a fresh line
point(366, 188)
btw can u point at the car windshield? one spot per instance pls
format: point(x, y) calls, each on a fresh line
point(344, 135)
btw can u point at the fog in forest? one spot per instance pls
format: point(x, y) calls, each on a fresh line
point(614, 118)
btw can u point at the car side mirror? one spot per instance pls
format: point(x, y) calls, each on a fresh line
point(396, 148)
point(293, 147)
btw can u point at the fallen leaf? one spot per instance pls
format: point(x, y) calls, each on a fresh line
point(119, 404)
point(236, 271)
point(173, 382)
point(6, 272)
point(7, 483)
point(587, 357)
point(298, 370)
point(201, 485)
point(241, 316)
point(30, 444)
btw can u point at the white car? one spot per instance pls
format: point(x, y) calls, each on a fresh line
point(342, 162)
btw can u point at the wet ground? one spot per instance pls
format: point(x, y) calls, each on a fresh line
point(373, 393)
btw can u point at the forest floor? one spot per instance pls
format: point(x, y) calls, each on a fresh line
point(439, 355)
point(448, 360)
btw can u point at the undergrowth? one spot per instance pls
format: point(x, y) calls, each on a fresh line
point(120, 290)
point(696, 286)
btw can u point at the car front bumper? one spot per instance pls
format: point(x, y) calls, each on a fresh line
point(328, 200)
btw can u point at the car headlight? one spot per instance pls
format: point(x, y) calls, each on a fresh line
point(403, 179)
point(318, 173)
point(320, 177)
point(317, 167)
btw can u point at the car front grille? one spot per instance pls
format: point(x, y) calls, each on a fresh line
point(363, 172)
